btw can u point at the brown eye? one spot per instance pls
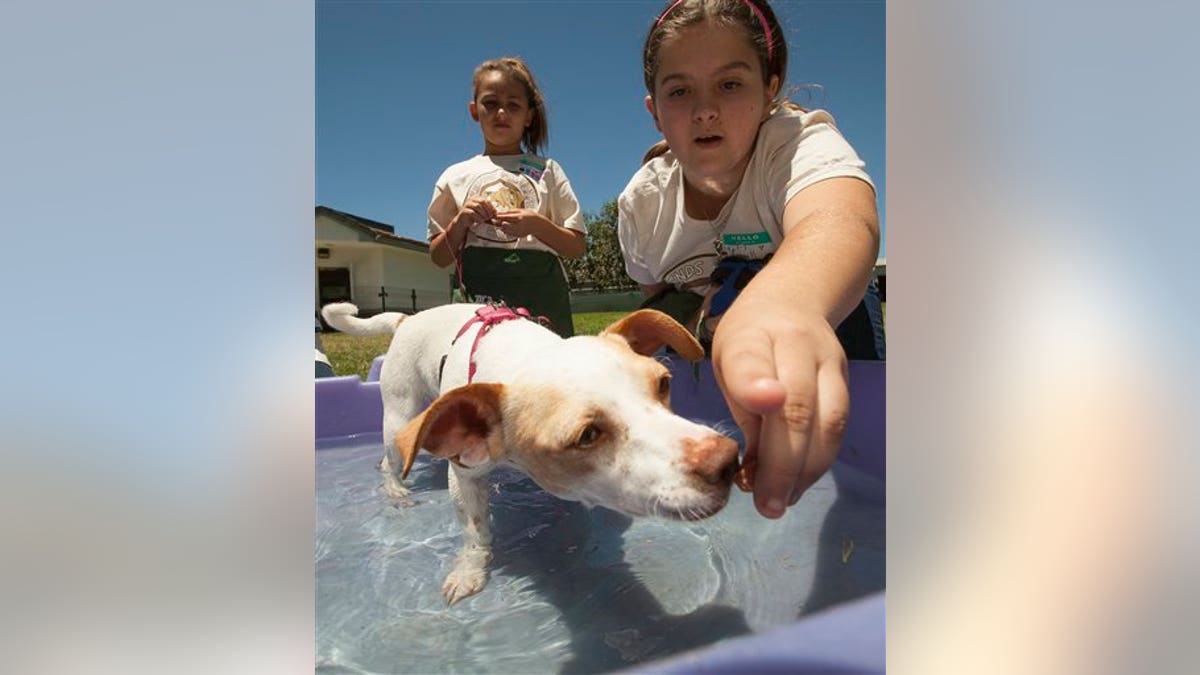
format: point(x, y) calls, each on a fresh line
point(589, 435)
point(664, 386)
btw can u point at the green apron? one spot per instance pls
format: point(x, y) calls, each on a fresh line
point(520, 278)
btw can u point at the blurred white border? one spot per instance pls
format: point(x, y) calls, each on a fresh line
point(1041, 240)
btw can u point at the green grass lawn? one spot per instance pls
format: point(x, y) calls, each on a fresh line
point(591, 323)
point(351, 355)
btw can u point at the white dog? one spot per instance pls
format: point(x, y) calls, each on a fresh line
point(587, 418)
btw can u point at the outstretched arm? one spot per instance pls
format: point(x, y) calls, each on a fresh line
point(775, 353)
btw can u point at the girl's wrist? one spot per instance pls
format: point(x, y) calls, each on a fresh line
point(771, 289)
point(456, 232)
point(550, 227)
point(544, 227)
point(774, 307)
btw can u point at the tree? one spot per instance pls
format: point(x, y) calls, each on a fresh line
point(601, 267)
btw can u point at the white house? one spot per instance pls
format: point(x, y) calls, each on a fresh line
point(365, 262)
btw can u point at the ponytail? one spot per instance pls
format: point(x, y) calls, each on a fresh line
point(657, 150)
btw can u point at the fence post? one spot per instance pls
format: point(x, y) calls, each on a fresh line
point(383, 298)
point(414, 300)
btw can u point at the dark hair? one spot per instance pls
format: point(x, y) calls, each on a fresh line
point(754, 17)
point(537, 133)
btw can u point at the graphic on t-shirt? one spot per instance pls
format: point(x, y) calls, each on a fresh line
point(691, 271)
point(503, 196)
point(506, 191)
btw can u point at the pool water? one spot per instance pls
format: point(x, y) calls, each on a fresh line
point(571, 589)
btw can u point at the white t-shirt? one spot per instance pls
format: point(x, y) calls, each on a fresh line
point(661, 243)
point(510, 182)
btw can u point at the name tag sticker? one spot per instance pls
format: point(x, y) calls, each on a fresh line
point(746, 238)
point(532, 168)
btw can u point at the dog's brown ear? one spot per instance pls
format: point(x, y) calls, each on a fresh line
point(461, 425)
point(647, 330)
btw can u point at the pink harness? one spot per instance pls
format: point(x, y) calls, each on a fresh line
point(489, 316)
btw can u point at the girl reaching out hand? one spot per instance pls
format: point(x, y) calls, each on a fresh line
point(754, 222)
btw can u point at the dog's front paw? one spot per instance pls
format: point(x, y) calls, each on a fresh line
point(463, 582)
point(393, 488)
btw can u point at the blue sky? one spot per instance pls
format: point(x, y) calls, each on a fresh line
point(393, 80)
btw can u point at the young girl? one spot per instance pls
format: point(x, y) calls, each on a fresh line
point(750, 197)
point(505, 216)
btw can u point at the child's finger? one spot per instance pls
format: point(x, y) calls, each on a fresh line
point(747, 377)
point(751, 425)
point(777, 470)
point(787, 435)
point(833, 413)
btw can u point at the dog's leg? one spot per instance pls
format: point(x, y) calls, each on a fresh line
point(470, 497)
point(401, 408)
point(390, 467)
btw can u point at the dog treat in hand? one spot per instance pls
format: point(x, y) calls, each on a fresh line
point(744, 478)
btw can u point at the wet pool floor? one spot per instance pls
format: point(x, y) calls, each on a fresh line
point(571, 589)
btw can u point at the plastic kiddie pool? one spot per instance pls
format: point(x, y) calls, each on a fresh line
point(574, 589)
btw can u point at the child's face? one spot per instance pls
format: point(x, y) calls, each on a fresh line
point(503, 112)
point(709, 100)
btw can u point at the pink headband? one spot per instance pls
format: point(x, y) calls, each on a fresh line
point(762, 19)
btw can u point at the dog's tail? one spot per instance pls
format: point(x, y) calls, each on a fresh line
point(343, 316)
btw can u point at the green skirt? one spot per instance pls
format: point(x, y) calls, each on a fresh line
point(520, 278)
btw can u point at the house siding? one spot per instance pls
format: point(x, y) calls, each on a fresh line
point(378, 263)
